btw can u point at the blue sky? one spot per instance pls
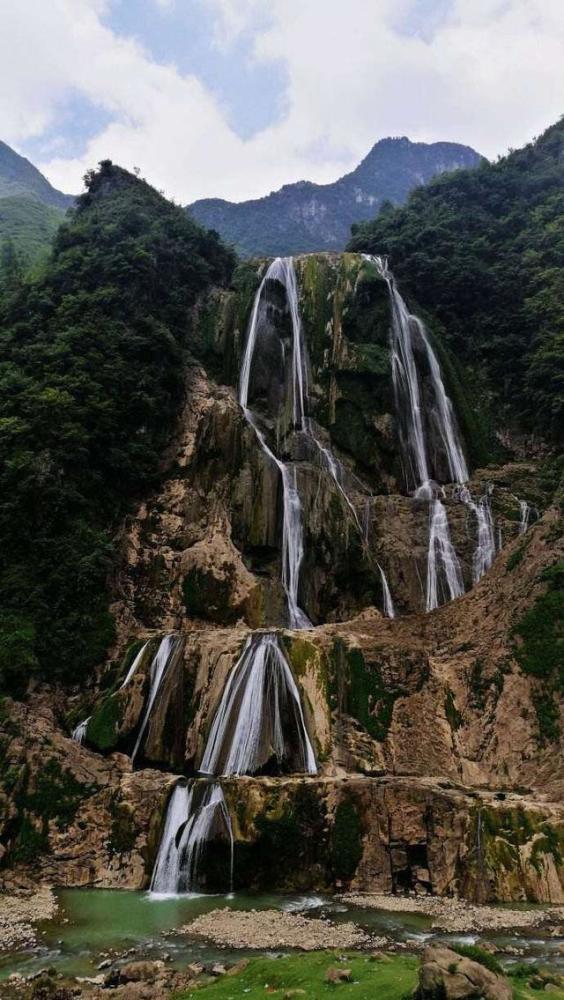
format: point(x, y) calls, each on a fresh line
point(233, 98)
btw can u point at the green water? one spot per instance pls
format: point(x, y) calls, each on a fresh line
point(93, 924)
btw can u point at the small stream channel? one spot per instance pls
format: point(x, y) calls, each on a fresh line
point(95, 924)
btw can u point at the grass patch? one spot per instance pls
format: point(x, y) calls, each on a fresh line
point(390, 979)
point(476, 954)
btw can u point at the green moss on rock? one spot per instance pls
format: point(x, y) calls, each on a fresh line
point(363, 692)
point(207, 596)
point(538, 647)
point(102, 730)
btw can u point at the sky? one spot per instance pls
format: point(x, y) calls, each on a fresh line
point(233, 98)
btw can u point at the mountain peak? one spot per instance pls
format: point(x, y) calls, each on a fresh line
point(303, 216)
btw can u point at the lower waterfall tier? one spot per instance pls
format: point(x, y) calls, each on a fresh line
point(426, 730)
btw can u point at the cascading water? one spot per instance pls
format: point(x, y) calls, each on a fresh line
point(525, 511)
point(485, 551)
point(280, 270)
point(162, 659)
point(442, 562)
point(79, 734)
point(137, 660)
point(166, 873)
point(196, 817)
point(389, 609)
point(260, 715)
point(407, 330)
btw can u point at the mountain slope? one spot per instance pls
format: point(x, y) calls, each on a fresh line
point(304, 217)
point(19, 177)
point(483, 251)
point(31, 209)
point(29, 224)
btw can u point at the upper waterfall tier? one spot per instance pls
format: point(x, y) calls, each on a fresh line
point(285, 501)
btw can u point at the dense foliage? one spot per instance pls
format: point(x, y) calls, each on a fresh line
point(304, 217)
point(483, 250)
point(91, 374)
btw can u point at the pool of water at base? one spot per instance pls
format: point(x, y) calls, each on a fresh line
point(92, 924)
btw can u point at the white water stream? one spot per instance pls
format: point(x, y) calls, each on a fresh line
point(259, 716)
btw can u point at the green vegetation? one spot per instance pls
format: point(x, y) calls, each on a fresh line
point(389, 979)
point(102, 730)
point(91, 374)
point(483, 251)
point(505, 831)
point(454, 717)
point(539, 649)
point(477, 954)
point(359, 689)
point(55, 795)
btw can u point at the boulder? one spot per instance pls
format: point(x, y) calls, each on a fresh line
point(140, 972)
point(447, 974)
point(334, 975)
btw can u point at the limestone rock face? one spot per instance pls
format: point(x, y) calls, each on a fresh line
point(445, 973)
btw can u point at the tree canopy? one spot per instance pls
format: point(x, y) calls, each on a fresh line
point(91, 368)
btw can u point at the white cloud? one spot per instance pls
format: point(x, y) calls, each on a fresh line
point(490, 73)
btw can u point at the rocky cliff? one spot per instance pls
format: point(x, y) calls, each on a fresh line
point(436, 735)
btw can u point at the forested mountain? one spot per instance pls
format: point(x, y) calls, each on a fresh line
point(306, 217)
point(483, 251)
point(18, 177)
point(91, 374)
point(31, 209)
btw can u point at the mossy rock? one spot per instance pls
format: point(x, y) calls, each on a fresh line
point(285, 846)
point(359, 690)
point(102, 731)
point(208, 596)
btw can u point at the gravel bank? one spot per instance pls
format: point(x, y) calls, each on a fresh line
point(275, 929)
point(19, 911)
point(458, 915)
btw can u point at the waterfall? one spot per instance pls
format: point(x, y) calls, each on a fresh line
point(168, 646)
point(260, 715)
point(281, 270)
point(484, 553)
point(195, 818)
point(166, 873)
point(525, 515)
point(79, 733)
point(136, 661)
point(389, 609)
point(407, 330)
point(441, 557)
